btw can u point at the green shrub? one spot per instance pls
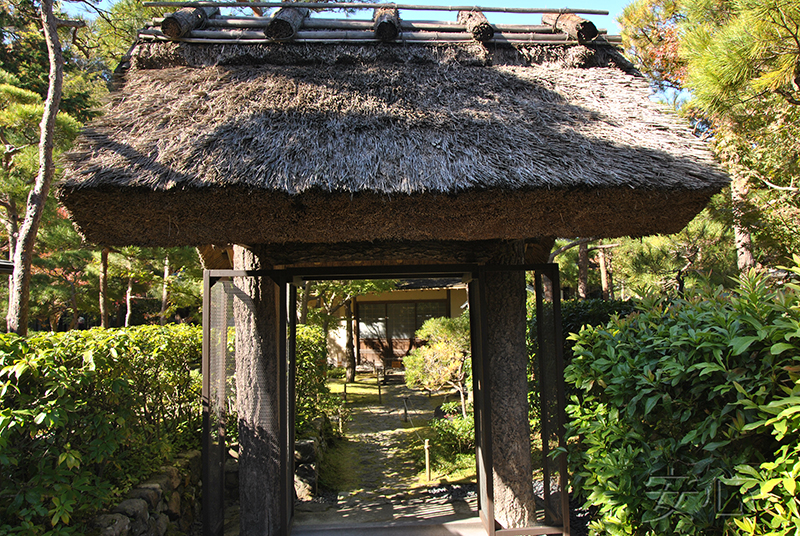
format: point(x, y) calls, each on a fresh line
point(575, 314)
point(336, 372)
point(688, 409)
point(86, 413)
point(454, 434)
point(595, 312)
point(313, 397)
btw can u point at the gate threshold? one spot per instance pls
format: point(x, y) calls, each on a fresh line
point(463, 527)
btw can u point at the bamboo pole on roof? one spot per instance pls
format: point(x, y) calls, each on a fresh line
point(230, 34)
point(361, 5)
point(345, 36)
point(339, 24)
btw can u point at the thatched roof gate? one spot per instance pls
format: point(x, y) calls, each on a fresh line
point(462, 141)
point(317, 145)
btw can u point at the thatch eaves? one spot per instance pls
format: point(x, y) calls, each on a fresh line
point(349, 142)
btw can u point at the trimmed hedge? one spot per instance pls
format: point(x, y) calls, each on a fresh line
point(85, 414)
point(687, 419)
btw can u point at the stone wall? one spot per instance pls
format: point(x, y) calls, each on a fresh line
point(307, 456)
point(168, 503)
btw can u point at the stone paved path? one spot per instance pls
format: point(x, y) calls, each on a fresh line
point(383, 454)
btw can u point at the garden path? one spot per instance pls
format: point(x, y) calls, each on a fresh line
point(379, 466)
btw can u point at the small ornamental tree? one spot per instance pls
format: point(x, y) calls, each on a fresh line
point(444, 360)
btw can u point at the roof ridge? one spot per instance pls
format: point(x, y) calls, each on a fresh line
point(202, 22)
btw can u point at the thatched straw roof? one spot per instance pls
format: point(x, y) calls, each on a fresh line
point(354, 142)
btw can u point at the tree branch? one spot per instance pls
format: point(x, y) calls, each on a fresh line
point(62, 23)
point(604, 246)
point(571, 245)
point(102, 13)
point(788, 97)
point(781, 188)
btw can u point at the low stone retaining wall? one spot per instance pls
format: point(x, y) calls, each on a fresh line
point(307, 456)
point(168, 503)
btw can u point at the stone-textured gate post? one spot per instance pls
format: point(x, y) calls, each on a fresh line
point(257, 390)
point(506, 319)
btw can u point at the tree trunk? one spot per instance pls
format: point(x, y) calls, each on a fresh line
point(104, 287)
point(162, 317)
point(508, 384)
point(257, 392)
point(326, 331)
point(12, 225)
point(540, 251)
point(744, 241)
point(120, 316)
point(583, 271)
point(73, 301)
point(12, 228)
point(54, 318)
point(304, 303)
point(604, 282)
point(350, 354)
point(19, 292)
point(129, 302)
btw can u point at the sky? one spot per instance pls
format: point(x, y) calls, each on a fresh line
point(608, 22)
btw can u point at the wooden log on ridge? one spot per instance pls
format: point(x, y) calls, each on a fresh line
point(569, 23)
point(476, 24)
point(386, 23)
point(186, 19)
point(286, 22)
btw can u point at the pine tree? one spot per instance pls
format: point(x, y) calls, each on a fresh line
point(738, 59)
point(743, 69)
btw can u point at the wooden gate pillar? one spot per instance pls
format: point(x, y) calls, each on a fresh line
point(258, 399)
point(506, 294)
